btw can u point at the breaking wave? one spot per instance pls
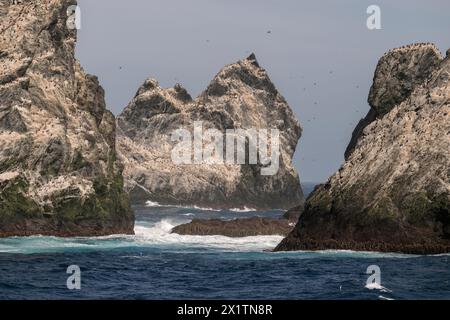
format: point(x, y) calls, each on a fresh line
point(146, 235)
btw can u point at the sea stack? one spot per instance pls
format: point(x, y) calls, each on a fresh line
point(393, 191)
point(58, 170)
point(241, 96)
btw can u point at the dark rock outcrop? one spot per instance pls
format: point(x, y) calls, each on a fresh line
point(58, 169)
point(393, 192)
point(241, 96)
point(254, 226)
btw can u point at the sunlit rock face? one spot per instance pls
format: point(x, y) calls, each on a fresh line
point(58, 169)
point(399, 72)
point(241, 96)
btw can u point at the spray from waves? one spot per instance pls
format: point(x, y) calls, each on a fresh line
point(152, 204)
point(160, 234)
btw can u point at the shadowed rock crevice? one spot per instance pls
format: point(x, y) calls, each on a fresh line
point(243, 227)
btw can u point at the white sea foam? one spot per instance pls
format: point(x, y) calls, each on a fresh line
point(160, 234)
point(201, 208)
point(243, 210)
point(376, 286)
point(152, 204)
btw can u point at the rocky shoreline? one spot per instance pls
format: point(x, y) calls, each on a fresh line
point(431, 248)
point(242, 227)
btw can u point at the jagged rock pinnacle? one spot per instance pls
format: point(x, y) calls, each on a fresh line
point(393, 192)
point(239, 97)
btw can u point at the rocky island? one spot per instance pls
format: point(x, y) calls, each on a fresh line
point(241, 96)
point(58, 170)
point(393, 192)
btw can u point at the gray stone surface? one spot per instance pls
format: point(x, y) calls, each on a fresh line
point(393, 192)
point(241, 96)
point(398, 73)
point(58, 169)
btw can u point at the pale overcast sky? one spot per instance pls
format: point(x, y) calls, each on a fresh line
point(319, 54)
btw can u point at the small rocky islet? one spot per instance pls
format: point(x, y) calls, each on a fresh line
point(242, 227)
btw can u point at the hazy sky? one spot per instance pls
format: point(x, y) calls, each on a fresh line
point(319, 54)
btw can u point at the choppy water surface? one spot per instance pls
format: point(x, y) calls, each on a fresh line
point(155, 264)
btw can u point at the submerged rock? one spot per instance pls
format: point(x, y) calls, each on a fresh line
point(393, 192)
point(241, 96)
point(58, 169)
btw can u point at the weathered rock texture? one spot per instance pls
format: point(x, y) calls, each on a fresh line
point(241, 96)
point(254, 226)
point(58, 169)
point(393, 192)
point(398, 73)
point(294, 213)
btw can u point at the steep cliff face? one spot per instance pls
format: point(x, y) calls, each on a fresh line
point(393, 192)
point(241, 96)
point(398, 73)
point(58, 169)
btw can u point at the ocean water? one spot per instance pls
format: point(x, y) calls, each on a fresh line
point(154, 264)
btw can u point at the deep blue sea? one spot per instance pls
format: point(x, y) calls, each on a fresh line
point(154, 264)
